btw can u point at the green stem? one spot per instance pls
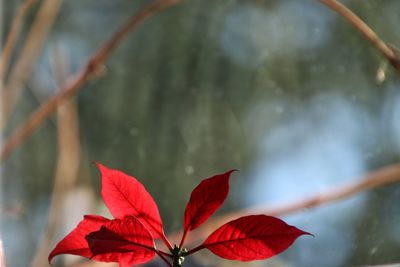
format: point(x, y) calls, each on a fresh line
point(178, 262)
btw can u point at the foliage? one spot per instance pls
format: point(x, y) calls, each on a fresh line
point(130, 238)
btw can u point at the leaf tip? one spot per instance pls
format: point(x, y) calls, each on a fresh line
point(307, 233)
point(50, 257)
point(232, 171)
point(99, 165)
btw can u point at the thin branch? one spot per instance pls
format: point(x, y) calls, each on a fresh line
point(389, 52)
point(24, 66)
point(13, 35)
point(385, 176)
point(92, 67)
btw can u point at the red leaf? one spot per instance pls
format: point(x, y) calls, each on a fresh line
point(126, 196)
point(75, 242)
point(205, 199)
point(252, 237)
point(128, 239)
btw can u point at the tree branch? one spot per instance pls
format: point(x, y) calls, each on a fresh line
point(381, 177)
point(389, 52)
point(27, 58)
point(12, 36)
point(92, 67)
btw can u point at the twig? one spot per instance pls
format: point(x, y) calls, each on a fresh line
point(93, 66)
point(389, 52)
point(381, 177)
point(22, 69)
point(12, 36)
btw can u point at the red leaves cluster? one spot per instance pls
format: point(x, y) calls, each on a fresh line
point(129, 238)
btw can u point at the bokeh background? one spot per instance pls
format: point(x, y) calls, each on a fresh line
point(285, 91)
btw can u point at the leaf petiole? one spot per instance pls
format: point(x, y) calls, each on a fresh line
point(166, 242)
point(183, 238)
point(162, 255)
point(194, 250)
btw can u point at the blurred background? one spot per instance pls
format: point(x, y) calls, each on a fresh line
point(286, 91)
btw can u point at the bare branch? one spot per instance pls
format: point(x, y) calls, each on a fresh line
point(381, 177)
point(22, 69)
point(389, 52)
point(12, 36)
point(93, 65)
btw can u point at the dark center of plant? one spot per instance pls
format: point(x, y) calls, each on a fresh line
point(178, 255)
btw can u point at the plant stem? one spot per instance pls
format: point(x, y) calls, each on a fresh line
point(183, 238)
point(166, 241)
point(178, 262)
point(178, 255)
point(194, 250)
point(161, 255)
